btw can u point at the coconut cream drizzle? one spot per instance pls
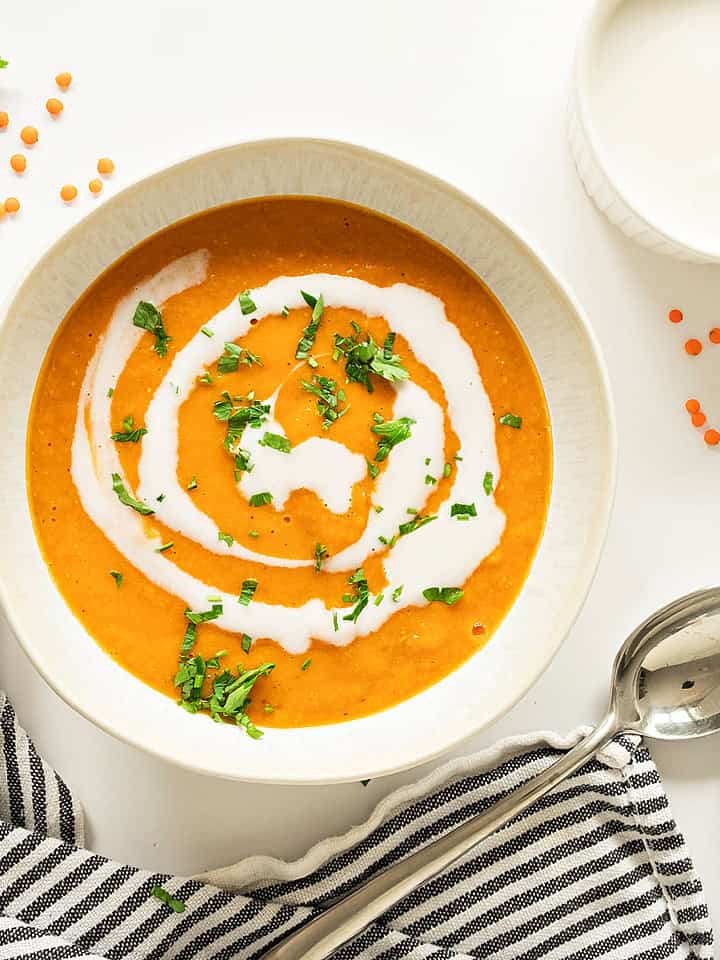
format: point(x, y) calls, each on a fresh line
point(444, 552)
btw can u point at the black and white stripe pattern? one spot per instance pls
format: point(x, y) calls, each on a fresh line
point(596, 869)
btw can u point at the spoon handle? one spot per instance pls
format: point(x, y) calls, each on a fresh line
point(327, 932)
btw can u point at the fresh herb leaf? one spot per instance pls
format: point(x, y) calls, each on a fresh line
point(110, 391)
point(207, 331)
point(414, 524)
point(247, 591)
point(3, 64)
point(125, 498)
point(285, 311)
point(321, 552)
point(462, 510)
point(160, 497)
point(226, 538)
point(148, 317)
point(336, 625)
point(128, 435)
point(447, 470)
point(234, 356)
point(488, 483)
point(246, 643)
point(379, 599)
point(268, 709)
point(117, 577)
point(361, 597)
point(204, 616)
point(253, 533)
point(429, 480)
point(372, 469)
point(446, 595)
point(260, 499)
point(511, 420)
point(276, 442)
point(165, 546)
point(307, 341)
point(178, 906)
point(365, 357)
point(247, 304)
point(206, 378)
point(193, 483)
point(329, 399)
point(391, 432)
point(396, 593)
point(305, 664)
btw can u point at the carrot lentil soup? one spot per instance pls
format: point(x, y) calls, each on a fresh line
point(289, 462)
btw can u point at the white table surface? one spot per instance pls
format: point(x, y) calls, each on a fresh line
point(471, 90)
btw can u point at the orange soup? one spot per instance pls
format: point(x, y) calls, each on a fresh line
point(289, 462)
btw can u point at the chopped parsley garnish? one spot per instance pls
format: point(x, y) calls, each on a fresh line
point(379, 509)
point(447, 470)
point(372, 469)
point(125, 498)
point(128, 435)
point(391, 432)
point(165, 546)
point(285, 312)
point(321, 552)
point(234, 356)
point(204, 616)
point(247, 304)
point(463, 511)
point(379, 599)
point(111, 391)
point(246, 643)
point(276, 442)
point(336, 625)
point(446, 595)
point(253, 533)
point(117, 577)
point(365, 357)
point(149, 318)
point(511, 420)
point(429, 480)
point(247, 591)
point(414, 524)
point(193, 483)
point(305, 664)
point(207, 331)
point(260, 499)
point(226, 538)
point(268, 708)
point(178, 906)
point(488, 483)
point(362, 595)
point(329, 398)
point(237, 418)
point(396, 593)
point(160, 497)
point(307, 341)
point(205, 378)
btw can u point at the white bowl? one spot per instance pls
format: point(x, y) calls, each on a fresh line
point(576, 385)
point(642, 122)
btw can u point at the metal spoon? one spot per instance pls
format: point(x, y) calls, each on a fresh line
point(665, 684)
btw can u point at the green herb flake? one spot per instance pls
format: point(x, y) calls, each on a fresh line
point(329, 398)
point(285, 312)
point(364, 358)
point(125, 498)
point(361, 598)
point(396, 593)
point(379, 599)
point(111, 391)
point(276, 442)
point(207, 331)
point(447, 470)
point(128, 434)
point(206, 378)
point(414, 524)
point(372, 469)
point(379, 509)
point(254, 534)
point(246, 643)
point(446, 595)
point(165, 546)
point(305, 664)
point(177, 906)
point(488, 483)
point(511, 420)
point(391, 433)
point(260, 499)
point(193, 483)
point(117, 577)
point(463, 510)
point(429, 480)
point(204, 616)
point(226, 538)
point(336, 625)
point(234, 356)
point(247, 304)
point(268, 709)
point(148, 317)
point(247, 591)
point(320, 554)
point(307, 341)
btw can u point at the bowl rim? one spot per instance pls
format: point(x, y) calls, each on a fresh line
point(589, 35)
point(600, 522)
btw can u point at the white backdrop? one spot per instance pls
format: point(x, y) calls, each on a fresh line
point(475, 92)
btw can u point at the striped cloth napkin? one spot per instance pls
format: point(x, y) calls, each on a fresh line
point(596, 869)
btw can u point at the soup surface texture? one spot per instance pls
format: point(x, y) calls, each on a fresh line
point(289, 432)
